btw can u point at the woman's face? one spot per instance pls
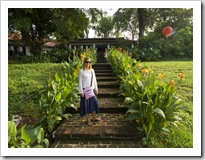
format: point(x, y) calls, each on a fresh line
point(88, 62)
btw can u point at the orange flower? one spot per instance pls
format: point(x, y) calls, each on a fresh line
point(82, 56)
point(172, 83)
point(138, 65)
point(77, 68)
point(144, 70)
point(119, 49)
point(161, 76)
point(181, 75)
point(150, 70)
point(75, 72)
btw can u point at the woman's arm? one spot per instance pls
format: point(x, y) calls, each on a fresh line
point(95, 82)
point(81, 82)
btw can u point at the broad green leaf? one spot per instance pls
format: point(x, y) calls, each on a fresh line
point(73, 106)
point(140, 84)
point(57, 77)
point(174, 118)
point(58, 118)
point(25, 135)
point(159, 112)
point(151, 116)
point(140, 129)
point(35, 134)
point(66, 115)
point(134, 105)
point(144, 141)
point(132, 117)
point(131, 110)
point(12, 129)
point(165, 130)
point(46, 142)
point(58, 97)
point(40, 135)
point(128, 100)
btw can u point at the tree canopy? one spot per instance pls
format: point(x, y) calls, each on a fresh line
point(38, 24)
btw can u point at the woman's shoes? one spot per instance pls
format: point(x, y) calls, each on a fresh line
point(96, 120)
point(89, 123)
point(93, 120)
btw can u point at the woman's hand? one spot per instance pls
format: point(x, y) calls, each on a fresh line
point(82, 95)
point(96, 92)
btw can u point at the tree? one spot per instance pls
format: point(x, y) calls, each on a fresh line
point(104, 27)
point(94, 15)
point(38, 24)
point(125, 19)
point(140, 21)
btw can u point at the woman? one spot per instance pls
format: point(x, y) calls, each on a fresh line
point(87, 78)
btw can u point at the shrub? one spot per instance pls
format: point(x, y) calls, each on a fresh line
point(153, 104)
point(26, 137)
point(59, 93)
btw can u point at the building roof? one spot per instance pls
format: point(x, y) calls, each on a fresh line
point(15, 36)
point(50, 44)
point(86, 41)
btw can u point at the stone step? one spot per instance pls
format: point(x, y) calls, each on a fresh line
point(108, 84)
point(112, 104)
point(100, 74)
point(103, 71)
point(114, 131)
point(106, 79)
point(101, 66)
point(108, 91)
point(113, 126)
point(95, 143)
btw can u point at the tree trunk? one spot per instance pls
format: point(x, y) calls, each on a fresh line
point(34, 43)
point(140, 12)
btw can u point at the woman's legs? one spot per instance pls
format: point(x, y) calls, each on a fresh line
point(88, 120)
point(95, 116)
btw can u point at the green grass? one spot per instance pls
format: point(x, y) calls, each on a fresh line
point(183, 135)
point(25, 80)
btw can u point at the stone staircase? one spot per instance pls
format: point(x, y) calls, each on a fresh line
point(112, 132)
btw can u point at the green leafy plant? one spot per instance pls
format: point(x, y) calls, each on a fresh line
point(152, 103)
point(26, 137)
point(146, 54)
point(59, 93)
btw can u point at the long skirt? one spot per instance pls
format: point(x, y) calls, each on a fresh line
point(88, 106)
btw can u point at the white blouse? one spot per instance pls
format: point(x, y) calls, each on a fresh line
point(85, 80)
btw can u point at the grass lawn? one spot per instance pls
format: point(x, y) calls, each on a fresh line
point(183, 135)
point(25, 80)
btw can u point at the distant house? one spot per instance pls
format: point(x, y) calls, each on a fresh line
point(17, 48)
point(49, 46)
point(101, 44)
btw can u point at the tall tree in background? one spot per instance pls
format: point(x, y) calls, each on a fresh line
point(140, 21)
point(105, 27)
point(94, 15)
point(126, 20)
point(38, 24)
